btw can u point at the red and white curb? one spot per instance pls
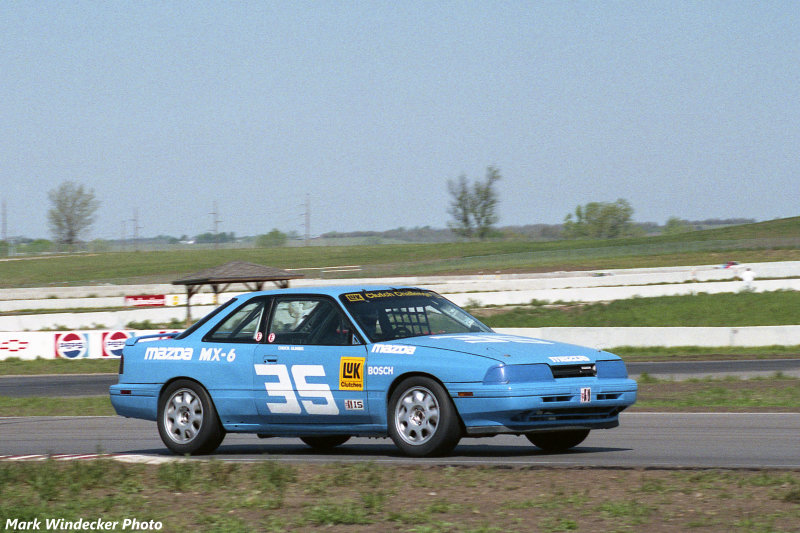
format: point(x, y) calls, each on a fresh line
point(56, 457)
point(124, 458)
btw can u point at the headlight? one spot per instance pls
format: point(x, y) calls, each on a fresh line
point(612, 369)
point(504, 374)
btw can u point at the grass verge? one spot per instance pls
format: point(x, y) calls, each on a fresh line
point(727, 309)
point(14, 366)
point(271, 496)
point(702, 353)
point(775, 394)
point(56, 406)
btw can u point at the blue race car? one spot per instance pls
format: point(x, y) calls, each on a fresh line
point(325, 364)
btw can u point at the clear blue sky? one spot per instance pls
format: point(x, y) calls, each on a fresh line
point(689, 109)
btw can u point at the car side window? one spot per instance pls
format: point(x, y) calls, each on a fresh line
point(240, 326)
point(309, 321)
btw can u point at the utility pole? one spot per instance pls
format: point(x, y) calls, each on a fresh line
point(308, 220)
point(5, 222)
point(136, 229)
point(5, 229)
point(124, 235)
point(215, 223)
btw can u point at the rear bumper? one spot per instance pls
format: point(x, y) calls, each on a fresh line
point(135, 400)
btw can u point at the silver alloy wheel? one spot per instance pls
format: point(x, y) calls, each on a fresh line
point(416, 416)
point(183, 416)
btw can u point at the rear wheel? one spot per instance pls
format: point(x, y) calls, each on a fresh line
point(325, 443)
point(187, 419)
point(422, 418)
point(558, 441)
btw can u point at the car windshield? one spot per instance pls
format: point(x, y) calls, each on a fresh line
point(401, 313)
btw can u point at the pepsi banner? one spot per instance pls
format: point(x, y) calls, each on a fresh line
point(67, 345)
point(72, 345)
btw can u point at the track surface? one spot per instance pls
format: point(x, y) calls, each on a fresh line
point(643, 440)
point(97, 384)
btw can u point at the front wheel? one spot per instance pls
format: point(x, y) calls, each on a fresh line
point(558, 441)
point(422, 419)
point(187, 419)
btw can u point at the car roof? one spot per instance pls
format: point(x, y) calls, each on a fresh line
point(329, 290)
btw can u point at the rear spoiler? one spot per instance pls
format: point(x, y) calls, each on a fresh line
point(130, 341)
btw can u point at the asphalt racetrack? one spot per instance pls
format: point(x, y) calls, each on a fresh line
point(643, 440)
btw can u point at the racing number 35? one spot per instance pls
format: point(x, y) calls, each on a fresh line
point(283, 387)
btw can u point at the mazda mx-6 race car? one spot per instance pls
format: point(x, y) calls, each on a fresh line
point(325, 364)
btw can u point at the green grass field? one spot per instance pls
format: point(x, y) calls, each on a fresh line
point(726, 309)
point(765, 241)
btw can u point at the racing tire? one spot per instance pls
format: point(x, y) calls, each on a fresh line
point(422, 419)
point(325, 443)
point(187, 419)
point(558, 441)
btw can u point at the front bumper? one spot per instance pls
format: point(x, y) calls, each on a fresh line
point(527, 408)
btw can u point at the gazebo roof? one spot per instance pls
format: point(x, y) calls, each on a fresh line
point(236, 272)
point(220, 277)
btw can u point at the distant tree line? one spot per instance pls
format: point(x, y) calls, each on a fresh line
point(473, 208)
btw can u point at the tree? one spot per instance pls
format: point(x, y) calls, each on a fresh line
point(676, 225)
point(215, 238)
point(72, 212)
point(460, 207)
point(272, 239)
point(484, 210)
point(474, 210)
point(600, 220)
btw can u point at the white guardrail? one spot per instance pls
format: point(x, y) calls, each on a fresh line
point(97, 344)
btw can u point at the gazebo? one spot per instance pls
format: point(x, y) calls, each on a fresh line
point(219, 278)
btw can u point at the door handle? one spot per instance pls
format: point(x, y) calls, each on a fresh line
point(270, 359)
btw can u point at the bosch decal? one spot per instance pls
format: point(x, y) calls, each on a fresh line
point(380, 371)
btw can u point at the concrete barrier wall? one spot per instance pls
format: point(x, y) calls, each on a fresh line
point(602, 338)
point(80, 344)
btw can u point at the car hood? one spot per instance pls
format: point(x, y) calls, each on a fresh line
point(509, 349)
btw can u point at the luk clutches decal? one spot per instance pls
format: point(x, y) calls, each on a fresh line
point(351, 373)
